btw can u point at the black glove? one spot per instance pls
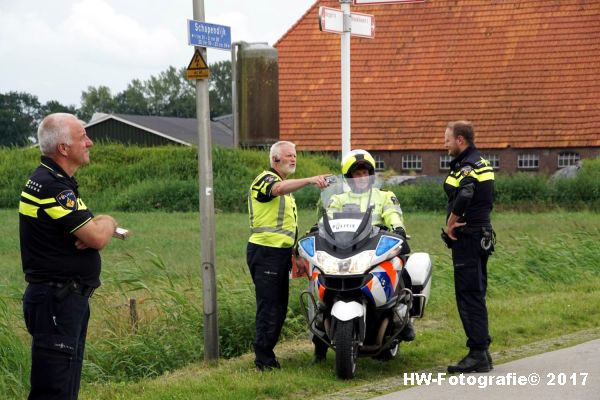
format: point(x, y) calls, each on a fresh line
point(401, 232)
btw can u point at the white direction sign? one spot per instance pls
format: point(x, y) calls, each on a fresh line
point(332, 20)
point(368, 2)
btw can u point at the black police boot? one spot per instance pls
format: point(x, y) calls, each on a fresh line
point(408, 332)
point(271, 365)
point(320, 352)
point(475, 361)
point(489, 356)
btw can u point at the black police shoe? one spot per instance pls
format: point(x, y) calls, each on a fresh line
point(268, 366)
point(489, 356)
point(475, 361)
point(408, 332)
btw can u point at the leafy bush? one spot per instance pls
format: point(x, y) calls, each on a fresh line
point(166, 195)
point(427, 196)
point(142, 179)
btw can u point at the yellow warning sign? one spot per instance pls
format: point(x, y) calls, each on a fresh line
point(197, 69)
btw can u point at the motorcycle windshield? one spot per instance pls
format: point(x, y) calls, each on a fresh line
point(346, 210)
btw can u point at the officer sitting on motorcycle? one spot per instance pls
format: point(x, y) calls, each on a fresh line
point(358, 167)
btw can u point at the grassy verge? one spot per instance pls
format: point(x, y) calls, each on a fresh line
point(543, 283)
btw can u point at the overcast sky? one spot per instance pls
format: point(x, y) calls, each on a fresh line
point(55, 49)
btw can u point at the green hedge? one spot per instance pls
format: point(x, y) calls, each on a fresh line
point(130, 178)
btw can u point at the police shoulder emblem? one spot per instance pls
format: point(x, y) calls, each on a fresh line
point(395, 200)
point(67, 200)
point(270, 178)
point(465, 171)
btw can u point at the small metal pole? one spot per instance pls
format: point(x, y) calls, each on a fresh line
point(346, 118)
point(133, 315)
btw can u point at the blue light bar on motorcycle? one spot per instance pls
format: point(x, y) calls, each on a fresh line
point(385, 244)
point(308, 245)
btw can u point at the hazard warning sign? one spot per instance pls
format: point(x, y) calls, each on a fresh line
point(197, 69)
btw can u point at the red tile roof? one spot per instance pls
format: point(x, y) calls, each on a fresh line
point(525, 72)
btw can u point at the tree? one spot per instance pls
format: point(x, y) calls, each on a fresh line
point(96, 100)
point(170, 94)
point(133, 99)
point(219, 85)
point(19, 118)
point(53, 106)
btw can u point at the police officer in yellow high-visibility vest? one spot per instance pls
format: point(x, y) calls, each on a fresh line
point(358, 168)
point(273, 225)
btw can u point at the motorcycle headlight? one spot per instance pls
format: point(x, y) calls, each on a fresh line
point(357, 264)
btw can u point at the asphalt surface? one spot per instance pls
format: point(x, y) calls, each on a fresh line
point(571, 373)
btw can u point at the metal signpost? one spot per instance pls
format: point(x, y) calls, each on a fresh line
point(350, 24)
point(330, 21)
point(205, 35)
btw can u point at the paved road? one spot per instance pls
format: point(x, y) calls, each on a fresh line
point(572, 373)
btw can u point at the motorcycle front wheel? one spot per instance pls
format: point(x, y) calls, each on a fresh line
point(346, 350)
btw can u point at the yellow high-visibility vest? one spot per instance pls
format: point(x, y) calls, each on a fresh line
point(273, 219)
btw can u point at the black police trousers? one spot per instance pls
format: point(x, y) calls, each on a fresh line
point(269, 268)
point(470, 285)
point(58, 328)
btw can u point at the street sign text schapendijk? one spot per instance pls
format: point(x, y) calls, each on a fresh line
point(332, 20)
point(371, 2)
point(204, 34)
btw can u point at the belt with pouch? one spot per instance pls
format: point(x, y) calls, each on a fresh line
point(71, 286)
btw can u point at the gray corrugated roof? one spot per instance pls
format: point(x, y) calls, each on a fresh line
point(184, 129)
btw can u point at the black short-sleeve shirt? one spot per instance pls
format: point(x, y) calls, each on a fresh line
point(50, 211)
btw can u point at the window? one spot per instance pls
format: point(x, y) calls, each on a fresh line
point(568, 158)
point(412, 161)
point(445, 161)
point(493, 159)
point(379, 163)
point(528, 161)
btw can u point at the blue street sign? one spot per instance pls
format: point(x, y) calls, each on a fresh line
point(204, 34)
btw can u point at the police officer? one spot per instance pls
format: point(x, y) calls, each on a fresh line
point(60, 239)
point(358, 167)
point(274, 227)
point(470, 190)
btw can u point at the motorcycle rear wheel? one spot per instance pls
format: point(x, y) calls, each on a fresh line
point(346, 350)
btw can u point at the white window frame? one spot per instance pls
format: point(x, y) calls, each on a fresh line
point(379, 163)
point(412, 162)
point(445, 161)
point(567, 158)
point(528, 161)
point(494, 160)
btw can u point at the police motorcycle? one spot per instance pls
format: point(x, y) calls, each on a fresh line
point(357, 302)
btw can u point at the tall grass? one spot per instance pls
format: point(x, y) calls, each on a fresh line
point(14, 355)
point(159, 267)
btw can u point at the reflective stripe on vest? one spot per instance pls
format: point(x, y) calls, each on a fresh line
point(280, 216)
point(480, 174)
